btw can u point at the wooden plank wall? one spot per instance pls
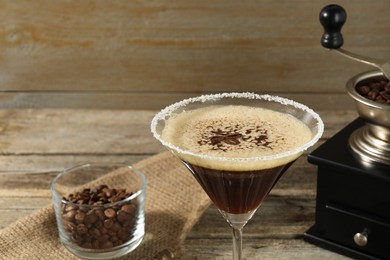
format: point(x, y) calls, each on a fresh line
point(147, 54)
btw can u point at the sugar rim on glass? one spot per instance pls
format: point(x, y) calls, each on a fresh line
point(164, 113)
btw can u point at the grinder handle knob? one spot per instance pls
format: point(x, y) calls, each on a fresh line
point(332, 18)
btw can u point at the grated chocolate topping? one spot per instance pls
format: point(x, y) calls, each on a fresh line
point(234, 137)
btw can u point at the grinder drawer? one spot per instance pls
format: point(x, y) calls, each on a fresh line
point(358, 230)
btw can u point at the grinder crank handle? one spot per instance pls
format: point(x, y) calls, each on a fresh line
point(332, 18)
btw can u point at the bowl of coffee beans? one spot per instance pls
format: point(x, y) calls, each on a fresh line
point(371, 92)
point(100, 209)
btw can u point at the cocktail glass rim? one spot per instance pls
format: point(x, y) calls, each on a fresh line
point(167, 111)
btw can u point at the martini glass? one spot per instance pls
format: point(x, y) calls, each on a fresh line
point(234, 150)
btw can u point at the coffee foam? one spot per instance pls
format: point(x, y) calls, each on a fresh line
point(235, 132)
point(236, 164)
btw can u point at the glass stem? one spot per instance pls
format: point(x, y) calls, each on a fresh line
point(237, 243)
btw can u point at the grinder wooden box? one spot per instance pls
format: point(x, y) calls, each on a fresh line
point(353, 201)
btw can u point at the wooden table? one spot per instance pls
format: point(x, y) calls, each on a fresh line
point(36, 143)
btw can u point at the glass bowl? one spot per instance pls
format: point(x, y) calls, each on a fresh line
point(100, 209)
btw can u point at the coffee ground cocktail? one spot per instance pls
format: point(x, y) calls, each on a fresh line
point(239, 133)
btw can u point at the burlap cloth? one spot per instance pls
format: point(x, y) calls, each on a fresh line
point(174, 202)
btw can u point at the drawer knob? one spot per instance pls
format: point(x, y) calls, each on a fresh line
point(361, 239)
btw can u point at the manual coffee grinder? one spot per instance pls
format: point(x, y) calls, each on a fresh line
point(353, 185)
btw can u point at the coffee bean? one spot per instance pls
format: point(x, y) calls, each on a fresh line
point(377, 90)
point(98, 224)
point(100, 214)
point(122, 216)
point(110, 193)
point(70, 208)
point(379, 99)
point(70, 226)
point(79, 217)
point(103, 238)
point(70, 215)
point(87, 245)
point(108, 223)
point(92, 225)
point(110, 213)
point(107, 244)
point(111, 233)
point(103, 230)
point(123, 235)
point(372, 94)
point(118, 242)
point(81, 229)
point(128, 223)
point(130, 209)
point(363, 90)
point(386, 95)
point(116, 227)
point(94, 232)
point(90, 218)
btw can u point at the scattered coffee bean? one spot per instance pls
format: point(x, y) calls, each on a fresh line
point(92, 225)
point(377, 90)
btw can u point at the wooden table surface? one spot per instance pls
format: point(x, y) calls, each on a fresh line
point(37, 143)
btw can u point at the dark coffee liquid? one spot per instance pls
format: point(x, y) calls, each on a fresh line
point(237, 192)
